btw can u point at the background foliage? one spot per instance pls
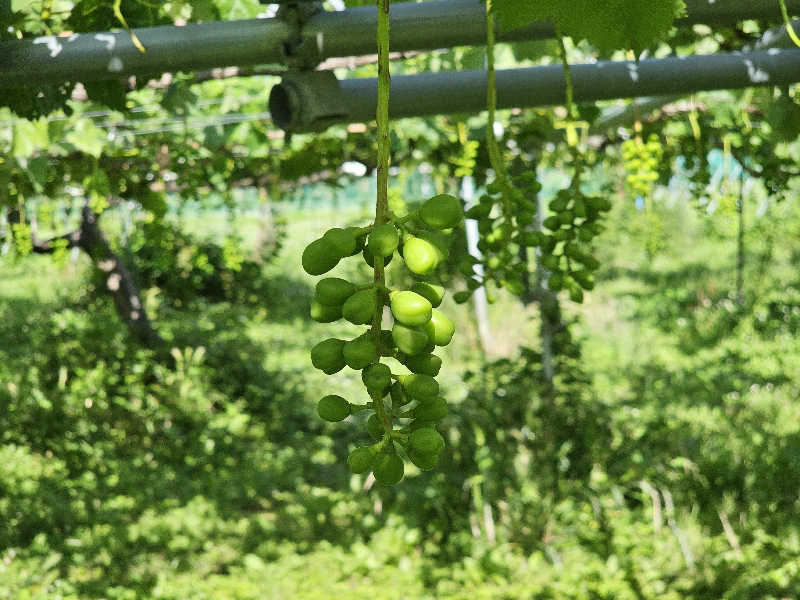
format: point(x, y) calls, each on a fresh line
point(662, 464)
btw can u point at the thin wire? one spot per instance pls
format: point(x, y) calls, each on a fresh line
point(201, 122)
point(136, 109)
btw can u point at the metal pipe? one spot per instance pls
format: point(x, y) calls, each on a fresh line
point(623, 116)
point(447, 23)
point(111, 55)
point(415, 26)
point(465, 91)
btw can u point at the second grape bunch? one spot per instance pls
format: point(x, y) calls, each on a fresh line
point(405, 406)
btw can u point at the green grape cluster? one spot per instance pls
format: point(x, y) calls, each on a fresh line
point(23, 240)
point(505, 215)
point(405, 406)
point(641, 160)
point(574, 222)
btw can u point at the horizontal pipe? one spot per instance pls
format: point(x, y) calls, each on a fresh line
point(465, 91)
point(623, 116)
point(448, 23)
point(111, 55)
point(414, 26)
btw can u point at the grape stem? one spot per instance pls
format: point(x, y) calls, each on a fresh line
point(572, 111)
point(788, 23)
point(382, 201)
point(492, 147)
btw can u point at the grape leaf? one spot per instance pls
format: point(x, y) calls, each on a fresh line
point(607, 24)
point(86, 137)
point(29, 136)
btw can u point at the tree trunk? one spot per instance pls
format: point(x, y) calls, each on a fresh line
point(118, 281)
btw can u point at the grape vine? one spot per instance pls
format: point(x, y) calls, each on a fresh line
point(405, 407)
point(506, 212)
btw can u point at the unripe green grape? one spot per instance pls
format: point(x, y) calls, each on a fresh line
point(440, 328)
point(426, 441)
point(319, 257)
point(420, 387)
point(443, 211)
point(325, 314)
point(479, 211)
point(550, 262)
point(375, 428)
point(360, 352)
point(388, 469)
point(466, 268)
point(558, 204)
point(361, 459)
point(525, 217)
point(421, 257)
point(409, 340)
point(555, 282)
point(562, 235)
point(579, 208)
point(532, 238)
point(439, 240)
point(590, 262)
point(485, 226)
point(430, 291)
point(424, 364)
point(333, 291)
point(584, 278)
point(514, 285)
point(377, 377)
point(342, 240)
point(424, 462)
point(552, 222)
point(370, 260)
point(431, 410)
point(333, 408)
point(328, 356)
point(566, 217)
point(409, 308)
point(572, 250)
point(461, 297)
point(360, 307)
point(383, 240)
point(360, 237)
point(398, 395)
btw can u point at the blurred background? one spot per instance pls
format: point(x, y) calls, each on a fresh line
point(158, 426)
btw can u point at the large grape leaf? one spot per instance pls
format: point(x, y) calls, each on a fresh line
point(607, 24)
